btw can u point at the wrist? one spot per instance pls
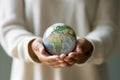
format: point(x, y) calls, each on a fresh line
point(87, 49)
point(31, 52)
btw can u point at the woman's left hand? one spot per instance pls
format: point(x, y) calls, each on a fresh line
point(82, 52)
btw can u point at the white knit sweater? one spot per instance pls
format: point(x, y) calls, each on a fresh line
point(23, 20)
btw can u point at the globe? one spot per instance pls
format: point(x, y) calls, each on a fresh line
point(59, 38)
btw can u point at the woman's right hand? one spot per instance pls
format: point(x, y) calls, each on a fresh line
point(45, 58)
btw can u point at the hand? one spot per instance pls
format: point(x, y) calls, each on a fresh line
point(50, 60)
point(82, 52)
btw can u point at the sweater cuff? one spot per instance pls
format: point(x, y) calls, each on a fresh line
point(29, 54)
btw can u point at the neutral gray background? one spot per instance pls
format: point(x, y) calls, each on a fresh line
point(5, 66)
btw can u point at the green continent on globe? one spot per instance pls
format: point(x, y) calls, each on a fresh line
point(59, 35)
point(55, 41)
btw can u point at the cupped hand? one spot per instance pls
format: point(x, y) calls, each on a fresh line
point(82, 52)
point(45, 58)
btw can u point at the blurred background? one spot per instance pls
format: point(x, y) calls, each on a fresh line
point(113, 66)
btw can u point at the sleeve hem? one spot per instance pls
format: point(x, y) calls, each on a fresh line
point(29, 57)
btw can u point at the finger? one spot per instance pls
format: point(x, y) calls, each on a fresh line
point(60, 65)
point(74, 55)
point(69, 60)
point(52, 60)
point(56, 61)
point(63, 56)
point(40, 52)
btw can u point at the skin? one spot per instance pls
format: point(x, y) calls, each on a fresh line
point(82, 52)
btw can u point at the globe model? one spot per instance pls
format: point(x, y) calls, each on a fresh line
point(59, 38)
